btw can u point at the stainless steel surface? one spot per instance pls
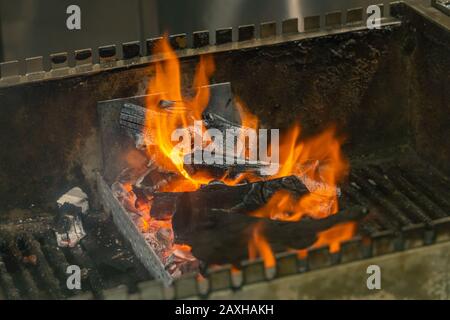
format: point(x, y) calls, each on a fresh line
point(14, 73)
point(126, 226)
point(217, 14)
point(38, 28)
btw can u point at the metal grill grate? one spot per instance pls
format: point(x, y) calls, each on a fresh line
point(32, 266)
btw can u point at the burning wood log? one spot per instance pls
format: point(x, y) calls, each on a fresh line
point(218, 221)
point(221, 112)
point(132, 120)
point(228, 233)
point(232, 166)
point(222, 214)
point(243, 198)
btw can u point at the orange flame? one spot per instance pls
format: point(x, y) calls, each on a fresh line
point(166, 86)
point(258, 246)
point(317, 161)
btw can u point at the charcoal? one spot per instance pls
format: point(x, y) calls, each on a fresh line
point(154, 243)
point(221, 112)
point(183, 255)
point(31, 259)
point(163, 205)
point(220, 213)
point(128, 175)
point(153, 179)
point(173, 270)
point(213, 120)
point(190, 267)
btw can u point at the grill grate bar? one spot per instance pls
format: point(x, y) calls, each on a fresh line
point(413, 193)
point(58, 261)
point(29, 285)
point(7, 282)
point(368, 225)
point(403, 202)
point(33, 266)
point(427, 187)
point(82, 259)
point(383, 219)
point(44, 272)
point(378, 198)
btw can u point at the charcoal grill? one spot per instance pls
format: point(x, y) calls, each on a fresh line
point(387, 89)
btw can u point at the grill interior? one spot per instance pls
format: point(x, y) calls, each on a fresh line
point(387, 90)
point(400, 193)
point(404, 195)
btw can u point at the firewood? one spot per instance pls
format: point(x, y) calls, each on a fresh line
point(243, 198)
point(228, 234)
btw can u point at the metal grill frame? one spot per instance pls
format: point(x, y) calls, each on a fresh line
point(126, 226)
point(315, 22)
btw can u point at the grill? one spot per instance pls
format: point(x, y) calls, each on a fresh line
point(408, 206)
point(32, 266)
point(396, 123)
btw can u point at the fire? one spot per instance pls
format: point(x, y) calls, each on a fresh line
point(166, 87)
point(334, 236)
point(317, 161)
point(258, 245)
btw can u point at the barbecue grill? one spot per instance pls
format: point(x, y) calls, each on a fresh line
point(386, 89)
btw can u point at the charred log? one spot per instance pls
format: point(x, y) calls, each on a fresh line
point(243, 198)
point(132, 120)
point(228, 233)
point(221, 112)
